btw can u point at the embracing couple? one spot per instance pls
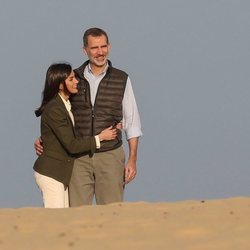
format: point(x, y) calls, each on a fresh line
point(83, 113)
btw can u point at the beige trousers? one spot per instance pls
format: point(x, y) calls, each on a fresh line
point(54, 193)
point(101, 176)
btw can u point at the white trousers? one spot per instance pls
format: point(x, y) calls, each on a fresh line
point(54, 193)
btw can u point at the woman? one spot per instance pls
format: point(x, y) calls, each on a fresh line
point(54, 167)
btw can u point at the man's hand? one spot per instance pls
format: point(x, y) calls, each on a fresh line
point(130, 172)
point(38, 146)
point(130, 168)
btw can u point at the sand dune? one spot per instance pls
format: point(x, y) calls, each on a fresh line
point(186, 225)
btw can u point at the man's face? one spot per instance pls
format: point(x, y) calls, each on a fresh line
point(97, 50)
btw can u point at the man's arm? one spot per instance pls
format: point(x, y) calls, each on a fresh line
point(132, 128)
point(38, 146)
point(130, 168)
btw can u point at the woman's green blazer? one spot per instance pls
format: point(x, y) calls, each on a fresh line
point(60, 143)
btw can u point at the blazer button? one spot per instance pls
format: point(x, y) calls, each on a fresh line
point(69, 160)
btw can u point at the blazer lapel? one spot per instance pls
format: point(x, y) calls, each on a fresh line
point(60, 103)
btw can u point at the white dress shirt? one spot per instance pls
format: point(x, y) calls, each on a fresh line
point(131, 119)
point(68, 107)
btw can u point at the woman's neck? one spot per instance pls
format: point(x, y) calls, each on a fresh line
point(64, 95)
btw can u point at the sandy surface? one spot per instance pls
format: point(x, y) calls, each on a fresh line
point(195, 225)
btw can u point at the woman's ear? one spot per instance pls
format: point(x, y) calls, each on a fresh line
point(61, 87)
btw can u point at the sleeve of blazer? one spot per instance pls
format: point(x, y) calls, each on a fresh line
point(58, 120)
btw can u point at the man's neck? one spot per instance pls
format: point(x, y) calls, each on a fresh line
point(97, 70)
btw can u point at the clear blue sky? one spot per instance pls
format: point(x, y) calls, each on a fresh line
point(189, 66)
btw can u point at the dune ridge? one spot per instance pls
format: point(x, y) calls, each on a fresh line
point(186, 225)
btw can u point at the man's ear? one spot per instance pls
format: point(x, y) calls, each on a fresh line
point(84, 51)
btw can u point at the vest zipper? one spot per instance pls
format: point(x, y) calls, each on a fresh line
point(92, 123)
point(85, 94)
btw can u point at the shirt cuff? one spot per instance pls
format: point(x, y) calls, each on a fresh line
point(133, 132)
point(97, 141)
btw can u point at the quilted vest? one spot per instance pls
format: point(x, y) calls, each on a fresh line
point(107, 110)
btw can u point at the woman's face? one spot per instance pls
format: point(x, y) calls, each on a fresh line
point(71, 83)
point(70, 86)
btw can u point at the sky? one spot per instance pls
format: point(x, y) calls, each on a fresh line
point(188, 61)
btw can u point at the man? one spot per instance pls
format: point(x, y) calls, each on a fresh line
point(105, 98)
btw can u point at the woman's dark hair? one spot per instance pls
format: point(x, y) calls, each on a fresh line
point(56, 74)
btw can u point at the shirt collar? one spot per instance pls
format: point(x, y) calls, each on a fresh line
point(103, 72)
point(66, 103)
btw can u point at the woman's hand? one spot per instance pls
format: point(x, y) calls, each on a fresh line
point(108, 134)
point(119, 126)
